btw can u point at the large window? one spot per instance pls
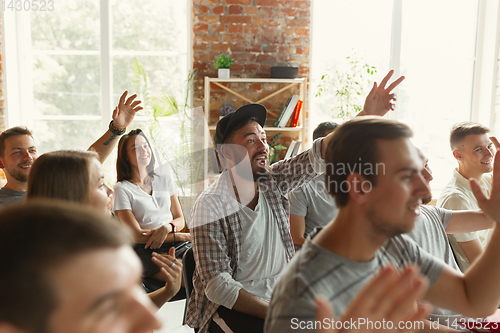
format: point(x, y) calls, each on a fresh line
point(437, 45)
point(67, 67)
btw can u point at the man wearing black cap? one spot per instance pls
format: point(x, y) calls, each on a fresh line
point(239, 225)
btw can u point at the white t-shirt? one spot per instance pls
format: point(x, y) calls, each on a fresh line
point(457, 195)
point(262, 258)
point(151, 211)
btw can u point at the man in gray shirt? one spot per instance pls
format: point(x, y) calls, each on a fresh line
point(375, 175)
point(18, 150)
point(310, 205)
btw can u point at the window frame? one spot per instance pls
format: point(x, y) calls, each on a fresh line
point(18, 78)
point(485, 71)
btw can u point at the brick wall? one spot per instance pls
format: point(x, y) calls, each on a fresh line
point(258, 34)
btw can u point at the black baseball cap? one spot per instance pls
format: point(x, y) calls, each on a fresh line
point(226, 124)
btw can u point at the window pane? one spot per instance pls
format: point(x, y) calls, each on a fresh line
point(437, 58)
point(53, 135)
point(164, 73)
point(71, 25)
point(66, 85)
point(339, 27)
point(150, 25)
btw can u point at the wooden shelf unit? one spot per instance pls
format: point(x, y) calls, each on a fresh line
point(301, 129)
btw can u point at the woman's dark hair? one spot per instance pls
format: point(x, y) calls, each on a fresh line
point(123, 169)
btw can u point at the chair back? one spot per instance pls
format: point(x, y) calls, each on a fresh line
point(188, 266)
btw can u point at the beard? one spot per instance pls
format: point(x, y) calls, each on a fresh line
point(382, 228)
point(247, 169)
point(260, 172)
point(425, 201)
point(17, 174)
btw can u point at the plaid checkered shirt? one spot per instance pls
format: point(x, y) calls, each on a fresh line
point(216, 229)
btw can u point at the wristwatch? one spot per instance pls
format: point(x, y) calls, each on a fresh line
point(174, 227)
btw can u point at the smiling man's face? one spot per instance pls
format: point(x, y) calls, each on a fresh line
point(253, 139)
point(18, 157)
point(476, 152)
point(394, 202)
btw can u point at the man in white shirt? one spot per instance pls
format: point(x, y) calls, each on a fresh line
point(474, 151)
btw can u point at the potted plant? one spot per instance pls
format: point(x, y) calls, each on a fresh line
point(226, 108)
point(275, 148)
point(223, 63)
point(344, 88)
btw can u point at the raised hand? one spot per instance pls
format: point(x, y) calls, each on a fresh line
point(490, 206)
point(380, 99)
point(171, 267)
point(495, 142)
point(125, 112)
point(389, 296)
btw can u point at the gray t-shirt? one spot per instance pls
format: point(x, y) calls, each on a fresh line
point(430, 234)
point(8, 196)
point(312, 201)
point(315, 271)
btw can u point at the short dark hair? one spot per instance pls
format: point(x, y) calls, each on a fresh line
point(13, 131)
point(460, 130)
point(354, 147)
point(62, 175)
point(123, 169)
point(237, 126)
point(36, 237)
point(322, 128)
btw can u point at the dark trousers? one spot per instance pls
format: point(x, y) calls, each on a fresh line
point(238, 322)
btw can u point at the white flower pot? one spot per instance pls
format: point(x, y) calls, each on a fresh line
point(224, 73)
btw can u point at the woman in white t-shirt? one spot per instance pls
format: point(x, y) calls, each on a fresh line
point(146, 202)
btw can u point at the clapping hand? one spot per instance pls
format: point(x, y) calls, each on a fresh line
point(171, 267)
point(389, 296)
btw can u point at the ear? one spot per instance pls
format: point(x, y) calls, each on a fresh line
point(227, 152)
point(457, 155)
point(357, 186)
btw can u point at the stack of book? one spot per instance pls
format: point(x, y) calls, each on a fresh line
point(293, 104)
point(293, 149)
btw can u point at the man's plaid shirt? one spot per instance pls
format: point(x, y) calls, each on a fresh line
point(215, 226)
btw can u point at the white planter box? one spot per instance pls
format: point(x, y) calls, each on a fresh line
point(224, 73)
